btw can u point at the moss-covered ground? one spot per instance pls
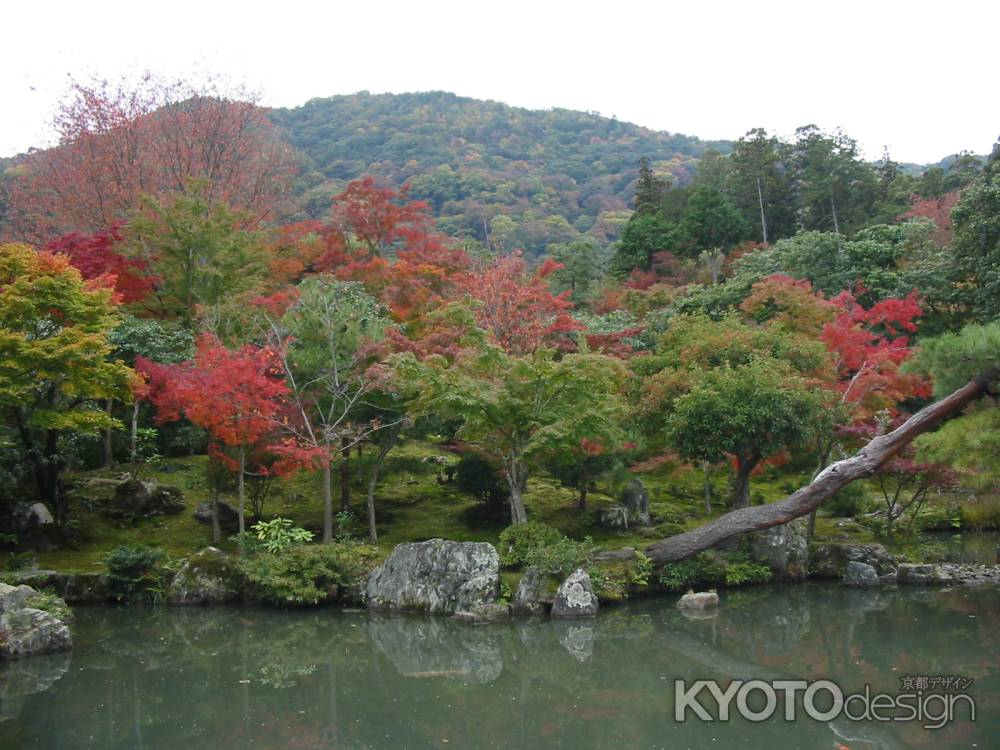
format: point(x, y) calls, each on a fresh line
point(413, 502)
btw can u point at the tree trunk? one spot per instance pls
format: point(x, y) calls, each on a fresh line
point(707, 487)
point(581, 503)
point(109, 457)
point(370, 503)
point(345, 473)
point(216, 526)
point(380, 457)
point(741, 486)
point(518, 513)
point(838, 475)
point(241, 486)
point(327, 502)
point(515, 474)
point(763, 220)
point(133, 448)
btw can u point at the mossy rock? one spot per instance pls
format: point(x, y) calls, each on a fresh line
point(207, 577)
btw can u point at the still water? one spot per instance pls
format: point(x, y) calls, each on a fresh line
point(181, 679)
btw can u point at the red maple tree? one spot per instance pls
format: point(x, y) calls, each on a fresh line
point(236, 396)
point(119, 140)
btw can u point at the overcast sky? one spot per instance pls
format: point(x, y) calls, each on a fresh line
point(920, 78)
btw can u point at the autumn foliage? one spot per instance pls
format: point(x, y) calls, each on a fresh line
point(120, 140)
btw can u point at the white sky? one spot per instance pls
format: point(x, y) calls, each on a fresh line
point(918, 77)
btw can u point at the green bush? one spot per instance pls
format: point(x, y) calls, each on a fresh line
point(279, 534)
point(742, 573)
point(517, 541)
point(561, 557)
point(705, 569)
point(136, 573)
point(981, 513)
point(308, 574)
point(479, 477)
point(849, 502)
point(641, 570)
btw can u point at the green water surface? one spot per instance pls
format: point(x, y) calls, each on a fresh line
point(240, 677)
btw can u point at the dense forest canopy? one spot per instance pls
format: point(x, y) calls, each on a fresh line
point(545, 293)
point(554, 173)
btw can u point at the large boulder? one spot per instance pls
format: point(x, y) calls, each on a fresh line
point(575, 597)
point(229, 517)
point(207, 577)
point(135, 500)
point(25, 630)
point(830, 560)
point(860, 575)
point(436, 576)
point(784, 549)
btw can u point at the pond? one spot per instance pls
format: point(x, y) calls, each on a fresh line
point(255, 678)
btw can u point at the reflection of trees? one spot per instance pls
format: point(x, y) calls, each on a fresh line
point(211, 677)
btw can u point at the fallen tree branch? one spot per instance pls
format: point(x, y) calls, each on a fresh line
point(827, 483)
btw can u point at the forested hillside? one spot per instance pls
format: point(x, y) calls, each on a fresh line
point(553, 174)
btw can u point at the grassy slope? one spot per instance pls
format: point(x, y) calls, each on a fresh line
point(410, 502)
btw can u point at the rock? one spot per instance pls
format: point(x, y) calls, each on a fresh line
point(633, 510)
point(635, 499)
point(135, 500)
point(784, 549)
point(830, 560)
point(615, 517)
point(533, 596)
point(483, 614)
point(207, 577)
point(13, 598)
point(910, 573)
point(609, 555)
point(575, 597)
point(701, 600)
point(75, 588)
point(229, 517)
point(860, 574)
point(888, 579)
point(25, 630)
point(436, 576)
point(31, 516)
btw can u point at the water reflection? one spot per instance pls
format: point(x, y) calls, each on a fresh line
point(241, 677)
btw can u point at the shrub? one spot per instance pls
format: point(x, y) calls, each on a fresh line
point(705, 569)
point(136, 573)
point(307, 574)
point(981, 513)
point(279, 534)
point(517, 541)
point(850, 501)
point(742, 573)
point(479, 477)
point(641, 570)
point(561, 557)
